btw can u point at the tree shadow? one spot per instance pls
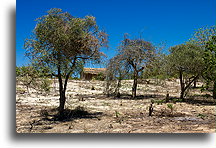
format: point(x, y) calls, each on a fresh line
point(196, 100)
point(201, 100)
point(68, 115)
point(139, 97)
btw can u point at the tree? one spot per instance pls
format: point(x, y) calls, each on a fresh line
point(18, 71)
point(27, 75)
point(205, 37)
point(186, 61)
point(60, 41)
point(116, 72)
point(155, 68)
point(137, 54)
point(210, 63)
point(30, 77)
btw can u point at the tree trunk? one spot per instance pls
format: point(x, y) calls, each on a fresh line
point(62, 94)
point(62, 97)
point(134, 88)
point(63, 87)
point(117, 93)
point(62, 100)
point(195, 83)
point(182, 86)
point(62, 91)
point(214, 90)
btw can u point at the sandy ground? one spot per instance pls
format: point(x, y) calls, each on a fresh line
point(90, 111)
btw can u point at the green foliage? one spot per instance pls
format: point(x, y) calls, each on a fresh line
point(117, 114)
point(100, 76)
point(155, 69)
point(210, 64)
point(27, 75)
point(186, 61)
point(201, 116)
point(186, 58)
point(78, 68)
point(158, 102)
point(176, 100)
point(45, 85)
point(206, 38)
point(171, 107)
point(203, 35)
point(59, 40)
point(30, 77)
point(63, 43)
point(18, 71)
point(20, 90)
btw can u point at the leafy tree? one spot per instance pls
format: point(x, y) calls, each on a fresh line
point(78, 68)
point(60, 40)
point(186, 61)
point(100, 76)
point(18, 71)
point(203, 35)
point(27, 75)
point(136, 54)
point(155, 68)
point(30, 77)
point(210, 63)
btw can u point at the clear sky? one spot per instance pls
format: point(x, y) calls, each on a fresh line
point(169, 21)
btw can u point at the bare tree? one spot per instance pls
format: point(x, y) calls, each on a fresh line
point(116, 72)
point(136, 54)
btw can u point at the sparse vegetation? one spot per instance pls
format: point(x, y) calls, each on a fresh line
point(162, 95)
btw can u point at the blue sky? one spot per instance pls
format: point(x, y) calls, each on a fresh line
point(169, 21)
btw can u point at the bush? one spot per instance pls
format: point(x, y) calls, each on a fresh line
point(100, 77)
point(171, 107)
point(45, 86)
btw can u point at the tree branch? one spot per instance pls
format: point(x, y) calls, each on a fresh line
point(188, 85)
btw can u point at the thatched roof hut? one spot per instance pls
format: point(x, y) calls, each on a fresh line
point(89, 73)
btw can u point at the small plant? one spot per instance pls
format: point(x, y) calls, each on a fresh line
point(118, 118)
point(201, 116)
point(20, 90)
point(176, 100)
point(117, 114)
point(171, 107)
point(106, 104)
point(46, 85)
point(93, 78)
point(158, 102)
point(100, 77)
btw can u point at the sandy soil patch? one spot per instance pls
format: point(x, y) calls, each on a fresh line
point(90, 111)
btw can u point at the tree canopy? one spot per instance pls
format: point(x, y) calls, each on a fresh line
point(186, 61)
point(135, 55)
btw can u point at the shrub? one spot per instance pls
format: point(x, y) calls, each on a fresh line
point(171, 107)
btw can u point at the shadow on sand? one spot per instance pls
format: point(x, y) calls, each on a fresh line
point(139, 97)
point(69, 115)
